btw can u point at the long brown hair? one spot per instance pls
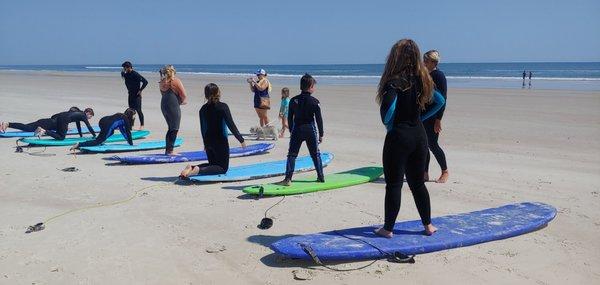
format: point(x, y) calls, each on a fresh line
point(129, 113)
point(212, 93)
point(404, 63)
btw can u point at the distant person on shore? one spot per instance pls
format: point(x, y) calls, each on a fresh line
point(283, 110)
point(173, 95)
point(121, 121)
point(405, 89)
point(304, 112)
point(57, 125)
point(132, 81)
point(261, 88)
point(433, 125)
point(215, 118)
point(524, 75)
point(530, 74)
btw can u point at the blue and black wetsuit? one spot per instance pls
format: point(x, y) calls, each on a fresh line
point(62, 124)
point(304, 111)
point(132, 81)
point(432, 137)
point(108, 125)
point(405, 148)
point(215, 118)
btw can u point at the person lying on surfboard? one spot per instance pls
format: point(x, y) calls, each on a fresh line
point(57, 125)
point(122, 121)
point(215, 118)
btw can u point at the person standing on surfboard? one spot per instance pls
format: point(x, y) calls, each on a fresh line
point(132, 81)
point(433, 125)
point(405, 89)
point(122, 121)
point(303, 112)
point(215, 118)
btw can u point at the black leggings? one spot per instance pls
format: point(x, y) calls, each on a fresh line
point(135, 102)
point(105, 132)
point(304, 133)
point(404, 153)
point(46, 124)
point(432, 141)
point(210, 169)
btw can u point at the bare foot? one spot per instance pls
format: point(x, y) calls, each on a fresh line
point(284, 182)
point(39, 132)
point(141, 128)
point(74, 147)
point(383, 233)
point(3, 127)
point(444, 177)
point(426, 176)
point(430, 229)
point(186, 171)
point(281, 135)
point(172, 153)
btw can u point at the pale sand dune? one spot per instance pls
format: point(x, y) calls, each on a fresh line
point(503, 146)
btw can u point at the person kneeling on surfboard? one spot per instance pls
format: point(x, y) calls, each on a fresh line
point(108, 124)
point(303, 112)
point(405, 89)
point(215, 118)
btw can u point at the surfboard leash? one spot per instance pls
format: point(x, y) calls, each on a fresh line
point(42, 225)
point(19, 149)
point(396, 257)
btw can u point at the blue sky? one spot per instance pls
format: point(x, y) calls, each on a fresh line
point(294, 32)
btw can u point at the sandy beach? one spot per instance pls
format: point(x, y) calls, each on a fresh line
point(503, 146)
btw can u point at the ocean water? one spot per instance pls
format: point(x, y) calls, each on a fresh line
point(546, 75)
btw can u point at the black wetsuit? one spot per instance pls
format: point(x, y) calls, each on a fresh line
point(132, 82)
point(62, 124)
point(108, 125)
point(169, 105)
point(304, 111)
point(405, 149)
point(46, 124)
point(215, 118)
point(432, 137)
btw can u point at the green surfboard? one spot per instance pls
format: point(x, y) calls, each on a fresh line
point(71, 141)
point(332, 181)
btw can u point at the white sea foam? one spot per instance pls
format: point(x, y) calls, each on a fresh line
point(103, 67)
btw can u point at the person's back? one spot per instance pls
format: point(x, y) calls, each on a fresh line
point(214, 119)
point(304, 109)
point(400, 100)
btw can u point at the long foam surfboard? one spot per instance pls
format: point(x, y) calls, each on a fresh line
point(262, 170)
point(71, 141)
point(332, 181)
point(17, 134)
point(453, 231)
point(123, 147)
point(192, 155)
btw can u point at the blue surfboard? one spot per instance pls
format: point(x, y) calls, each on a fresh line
point(453, 231)
point(262, 170)
point(192, 155)
point(18, 134)
point(124, 147)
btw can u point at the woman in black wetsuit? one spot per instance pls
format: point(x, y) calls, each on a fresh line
point(121, 121)
point(404, 90)
point(214, 118)
point(433, 125)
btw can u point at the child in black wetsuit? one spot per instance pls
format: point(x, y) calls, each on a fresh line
point(303, 113)
point(215, 118)
point(57, 125)
point(121, 121)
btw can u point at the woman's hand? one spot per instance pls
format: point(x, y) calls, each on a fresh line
point(437, 126)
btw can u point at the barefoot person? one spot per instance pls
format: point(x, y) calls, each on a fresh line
point(304, 111)
point(261, 88)
point(215, 118)
point(132, 81)
point(283, 110)
point(404, 91)
point(121, 121)
point(433, 125)
point(173, 95)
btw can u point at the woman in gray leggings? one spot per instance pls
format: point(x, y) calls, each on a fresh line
point(173, 95)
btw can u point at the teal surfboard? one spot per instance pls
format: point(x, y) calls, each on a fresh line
point(71, 141)
point(125, 147)
point(21, 134)
point(262, 170)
